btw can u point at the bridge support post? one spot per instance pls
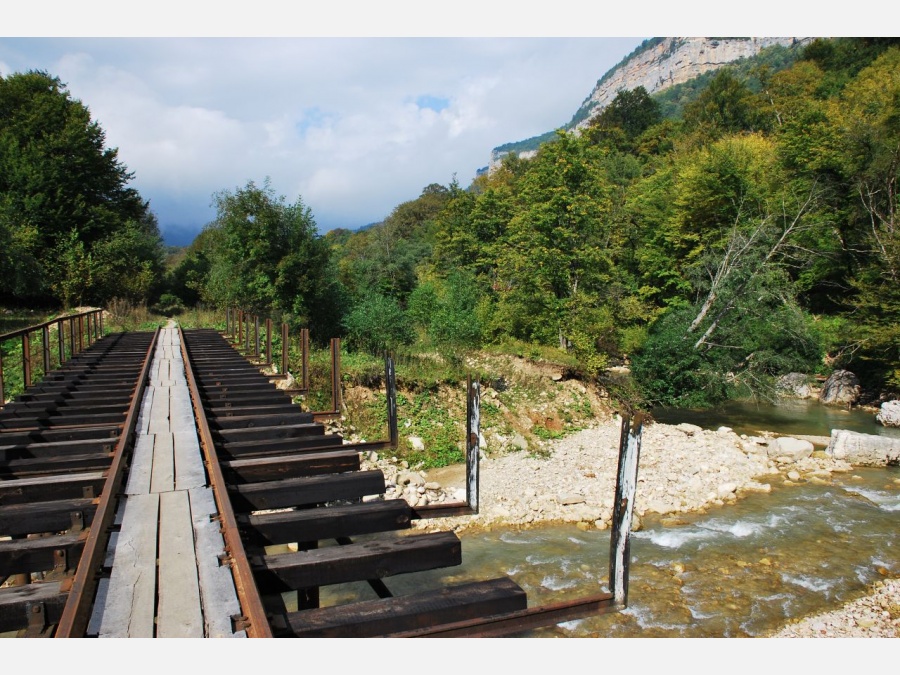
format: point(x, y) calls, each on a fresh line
point(623, 508)
point(473, 441)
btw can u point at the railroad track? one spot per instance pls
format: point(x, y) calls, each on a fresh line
point(64, 446)
point(160, 485)
point(286, 485)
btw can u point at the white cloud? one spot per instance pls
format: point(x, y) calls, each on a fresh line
point(335, 121)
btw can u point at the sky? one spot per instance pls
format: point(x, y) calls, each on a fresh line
point(352, 126)
point(353, 109)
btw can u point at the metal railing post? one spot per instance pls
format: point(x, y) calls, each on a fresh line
point(256, 336)
point(2, 394)
point(61, 339)
point(71, 337)
point(304, 358)
point(26, 359)
point(45, 336)
point(390, 379)
point(269, 359)
point(336, 375)
point(285, 355)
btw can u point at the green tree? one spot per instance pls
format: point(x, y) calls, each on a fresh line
point(57, 176)
point(268, 258)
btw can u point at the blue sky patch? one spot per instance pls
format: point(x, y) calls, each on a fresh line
point(433, 102)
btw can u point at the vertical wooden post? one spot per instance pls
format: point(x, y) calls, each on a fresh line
point(45, 336)
point(304, 358)
point(269, 359)
point(623, 508)
point(285, 349)
point(26, 359)
point(473, 441)
point(390, 381)
point(336, 375)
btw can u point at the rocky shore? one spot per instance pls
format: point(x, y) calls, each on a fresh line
point(683, 468)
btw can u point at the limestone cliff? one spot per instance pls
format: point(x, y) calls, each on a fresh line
point(661, 63)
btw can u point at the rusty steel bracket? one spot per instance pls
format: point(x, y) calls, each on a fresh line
point(60, 561)
point(37, 620)
point(77, 521)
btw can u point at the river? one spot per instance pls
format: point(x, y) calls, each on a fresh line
point(736, 571)
point(740, 570)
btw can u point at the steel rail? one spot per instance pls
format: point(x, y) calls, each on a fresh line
point(511, 623)
point(76, 613)
point(254, 619)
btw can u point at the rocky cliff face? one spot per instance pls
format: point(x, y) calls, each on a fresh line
point(669, 62)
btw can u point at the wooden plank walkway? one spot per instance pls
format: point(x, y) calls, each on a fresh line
point(166, 579)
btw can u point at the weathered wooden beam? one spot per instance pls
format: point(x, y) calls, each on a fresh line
point(319, 524)
point(357, 562)
point(303, 491)
point(278, 467)
point(374, 618)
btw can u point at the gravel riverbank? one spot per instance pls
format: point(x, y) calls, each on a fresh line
point(683, 468)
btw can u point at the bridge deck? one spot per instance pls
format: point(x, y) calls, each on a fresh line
point(166, 579)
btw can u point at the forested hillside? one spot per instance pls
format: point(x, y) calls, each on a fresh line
point(714, 242)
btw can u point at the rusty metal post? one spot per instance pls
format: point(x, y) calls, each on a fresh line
point(61, 335)
point(2, 395)
point(256, 336)
point(336, 375)
point(285, 353)
point(26, 359)
point(240, 327)
point(390, 381)
point(246, 346)
point(269, 359)
point(81, 333)
point(100, 321)
point(227, 321)
point(623, 507)
point(304, 358)
point(473, 442)
point(45, 336)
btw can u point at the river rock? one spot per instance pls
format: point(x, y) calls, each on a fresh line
point(793, 449)
point(889, 415)
point(863, 449)
point(841, 388)
point(795, 385)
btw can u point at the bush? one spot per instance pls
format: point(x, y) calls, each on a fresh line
point(378, 324)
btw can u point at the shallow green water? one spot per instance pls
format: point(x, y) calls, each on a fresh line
point(736, 571)
point(803, 417)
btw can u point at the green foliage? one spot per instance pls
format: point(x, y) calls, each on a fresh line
point(65, 208)
point(266, 256)
point(378, 324)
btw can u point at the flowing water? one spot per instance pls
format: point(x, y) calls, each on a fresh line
point(735, 571)
point(740, 570)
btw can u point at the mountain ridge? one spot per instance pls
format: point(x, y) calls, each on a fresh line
point(656, 64)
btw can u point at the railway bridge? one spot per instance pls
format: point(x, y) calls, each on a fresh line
point(159, 484)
